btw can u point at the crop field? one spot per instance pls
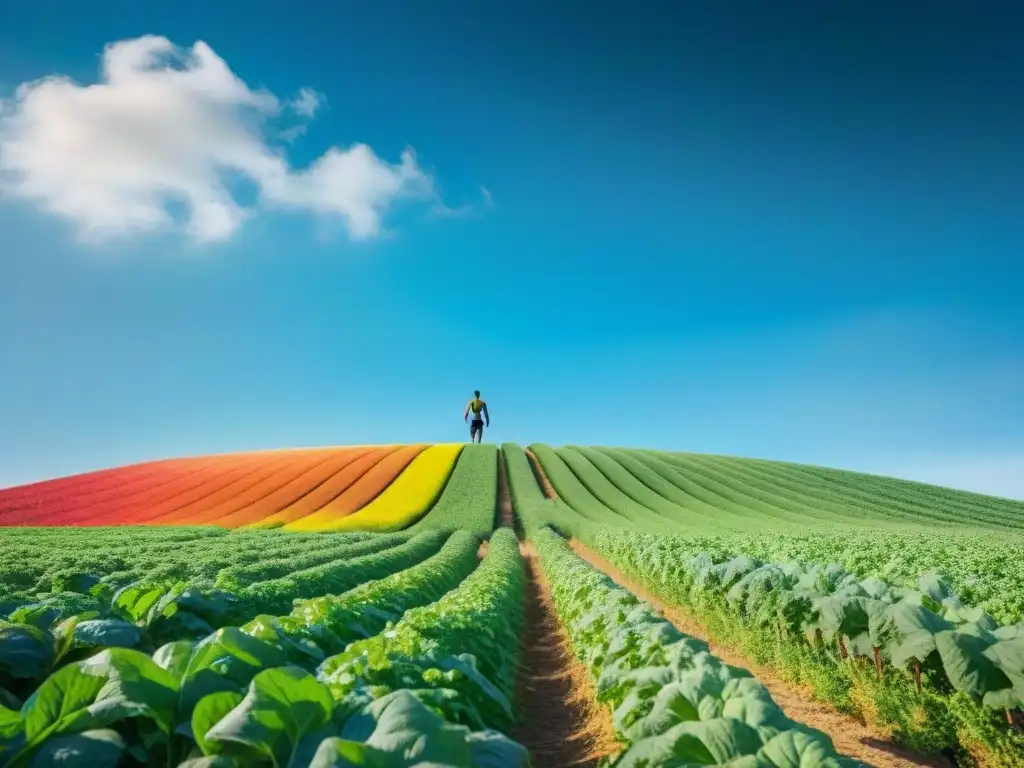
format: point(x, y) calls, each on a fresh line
point(404, 605)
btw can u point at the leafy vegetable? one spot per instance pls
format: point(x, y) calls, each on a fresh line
point(673, 703)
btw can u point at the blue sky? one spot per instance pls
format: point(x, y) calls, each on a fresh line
point(789, 233)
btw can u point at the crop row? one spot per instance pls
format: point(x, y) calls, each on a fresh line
point(361, 480)
point(348, 490)
point(657, 489)
point(247, 695)
point(358, 489)
point(231, 506)
point(673, 703)
point(41, 563)
point(403, 501)
point(112, 482)
point(609, 487)
point(466, 641)
point(984, 569)
point(71, 559)
point(941, 674)
point(915, 660)
point(470, 498)
point(223, 480)
point(234, 502)
point(228, 491)
point(855, 485)
point(845, 495)
point(37, 637)
point(226, 494)
point(258, 494)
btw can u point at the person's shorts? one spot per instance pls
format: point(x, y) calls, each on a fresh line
point(477, 425)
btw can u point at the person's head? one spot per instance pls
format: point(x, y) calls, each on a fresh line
point(476, 393)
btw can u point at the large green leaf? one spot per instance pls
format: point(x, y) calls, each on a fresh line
point(1007, 653)
point(757, 711)
point(227, 660)
point(214, 606)
point(670, 707)
point(134, 600)
point(233, 653)
point(463, 667)
point(64, 635)
point(297, 650)
point(882, 629)
point(800, 748)
point(620, 678)
point(175, 657)
point(490, 749)
point(934, 587)
point(208, 712)
point(401, 725)
point(708, 742)
point(965, 663)
point(194, 684)
point(114, 684)
point(400, 731)
point(12, 735)
point(63, 700)
point(101, 748)
point(106, 633)
point(41, 615)
point(841, 614)
point(674, 747)
point(283, 706)
point(915, 629)
point(10, 723)
point(335, 752)
point(25, 651)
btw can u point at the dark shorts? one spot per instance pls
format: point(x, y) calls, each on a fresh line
point(477, 425)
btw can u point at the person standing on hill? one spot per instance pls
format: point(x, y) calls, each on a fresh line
point(478, 408)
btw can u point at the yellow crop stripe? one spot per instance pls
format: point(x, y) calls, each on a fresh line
point(407, 498)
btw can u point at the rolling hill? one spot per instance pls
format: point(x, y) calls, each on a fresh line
point(427, 589)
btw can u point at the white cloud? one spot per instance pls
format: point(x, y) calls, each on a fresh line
point(442, 211)
point(307, 102)
point(167, 126)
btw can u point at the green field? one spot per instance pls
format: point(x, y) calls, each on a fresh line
point(211, 646)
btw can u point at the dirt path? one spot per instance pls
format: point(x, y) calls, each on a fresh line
point(850, 736)
point(560, 722)
point(559, 719)
point(506, 517)
point(541, 475)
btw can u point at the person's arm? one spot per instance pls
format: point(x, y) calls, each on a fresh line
point(465, 416)
point(487, 416)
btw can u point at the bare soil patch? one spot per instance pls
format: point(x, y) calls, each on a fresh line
point(561, 723)
point(850, 736)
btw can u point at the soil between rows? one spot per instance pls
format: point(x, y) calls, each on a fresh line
point(561, 723)
point(506, 515)
point(558, 718)
point(850, 736)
